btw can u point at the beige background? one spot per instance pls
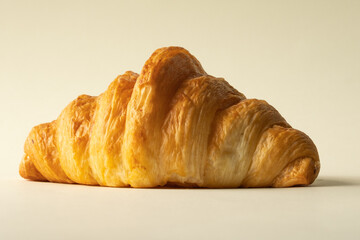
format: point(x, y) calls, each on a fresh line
point(303, 57)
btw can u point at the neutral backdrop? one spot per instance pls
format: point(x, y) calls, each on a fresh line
point(303, 57)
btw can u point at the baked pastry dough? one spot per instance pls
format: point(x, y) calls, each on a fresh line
point(171, 125)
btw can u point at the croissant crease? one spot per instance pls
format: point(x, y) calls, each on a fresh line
point(171, 125)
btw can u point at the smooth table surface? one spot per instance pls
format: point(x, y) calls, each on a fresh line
point(329, 209)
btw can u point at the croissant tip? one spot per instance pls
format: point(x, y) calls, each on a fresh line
point(27, 170)
point(301, 172)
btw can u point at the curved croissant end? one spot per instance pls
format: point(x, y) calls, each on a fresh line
point(171, 125)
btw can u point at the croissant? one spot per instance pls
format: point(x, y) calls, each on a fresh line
point(171, 125)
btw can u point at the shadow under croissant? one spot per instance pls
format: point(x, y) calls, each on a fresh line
point(329, 181)
point(326, 181)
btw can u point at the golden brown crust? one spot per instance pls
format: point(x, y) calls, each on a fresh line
point(237, 133)
point(40, 148)
point(277, 148)
point(73, 131)
point(171, 125)
point(109, 126)
point(158, 82)
point(194, 106)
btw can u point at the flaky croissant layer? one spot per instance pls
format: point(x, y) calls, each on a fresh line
point(171, 125)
